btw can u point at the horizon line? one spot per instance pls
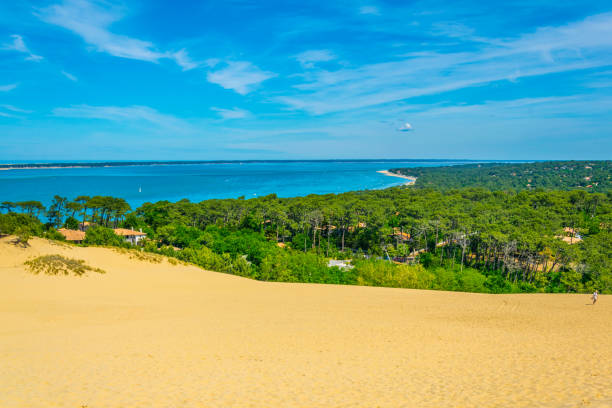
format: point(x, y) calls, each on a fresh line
point(120, 163)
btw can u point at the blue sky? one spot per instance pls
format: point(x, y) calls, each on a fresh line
point(85, 79)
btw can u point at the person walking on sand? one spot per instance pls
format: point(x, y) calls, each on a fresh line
point(594, 297)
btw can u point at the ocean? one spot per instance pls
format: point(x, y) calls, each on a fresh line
point(202, 181)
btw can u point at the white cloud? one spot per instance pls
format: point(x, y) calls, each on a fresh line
point(452, 29)
point(212, 62)
point(580, 45)
point(308, 58)
point(92, 19)
point(19, 45)
point(369, 10)
point(240, 76)
point(235, 113)
point(70, 76)
point(406, 127)
point(551, 108)
point(6, 88)
point(14, 109)
point(599, 84)
point(183, 60)
point(135, 113)
point(458, 31)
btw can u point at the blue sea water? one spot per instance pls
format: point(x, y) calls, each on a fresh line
point(197, 182)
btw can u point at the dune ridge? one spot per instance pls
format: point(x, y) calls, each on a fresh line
point(162, 335)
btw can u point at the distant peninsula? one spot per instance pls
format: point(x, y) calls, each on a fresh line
point(589, 175)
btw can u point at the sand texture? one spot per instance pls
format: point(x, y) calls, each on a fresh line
point(160, 335)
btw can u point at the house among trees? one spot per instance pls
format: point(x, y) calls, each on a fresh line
point(342, 264)
point(75, 236)
point(78, 236)
point(570, 235)
point(400, 235)
point(130, 235)
point(359, 225)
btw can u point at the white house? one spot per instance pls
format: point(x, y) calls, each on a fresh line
point(342, 264)
point(130, 235)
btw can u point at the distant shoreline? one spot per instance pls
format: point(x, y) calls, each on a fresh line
point(11, 167)
point(388, 173)
point(75, 165)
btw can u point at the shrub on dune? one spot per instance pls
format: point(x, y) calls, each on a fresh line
point(59, 265)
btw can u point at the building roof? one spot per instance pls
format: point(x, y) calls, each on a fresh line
point(397, 232)
point(124, 232)
point(342, 264)
point(72, 235)
point(570, 240)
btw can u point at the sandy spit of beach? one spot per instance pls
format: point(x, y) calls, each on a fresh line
point(411, 179)
point(160, 335)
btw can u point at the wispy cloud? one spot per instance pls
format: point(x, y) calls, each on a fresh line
point(599, 84)
point(135, 113)
point(240, 76)
point(15, 109)
point(92, 19)
point(19, 45)
point(369, 10)
point(9, 87)
point(10, 111)
point(183, 60)
point(309, 58)
point(446, 129)
point(459, 31)
point(70, 76)
point(235, 113)
point(524, 108)
point(580, 45)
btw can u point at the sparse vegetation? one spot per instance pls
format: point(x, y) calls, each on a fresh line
point(140, 255)
point(23, 236)
point(59, 265)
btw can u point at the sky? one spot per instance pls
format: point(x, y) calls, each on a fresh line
point(241, 79)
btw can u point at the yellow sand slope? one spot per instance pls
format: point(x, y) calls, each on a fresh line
point(157, 335)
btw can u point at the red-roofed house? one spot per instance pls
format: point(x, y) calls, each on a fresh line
point(75, 236)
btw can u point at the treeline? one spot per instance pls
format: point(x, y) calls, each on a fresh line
point(101, 210)
point(552, 175)
point(459, 239)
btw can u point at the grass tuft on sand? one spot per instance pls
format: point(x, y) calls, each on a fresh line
point(141, 255)
point(59, 265)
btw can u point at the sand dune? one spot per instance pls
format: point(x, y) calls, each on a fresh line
point(160, 335)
